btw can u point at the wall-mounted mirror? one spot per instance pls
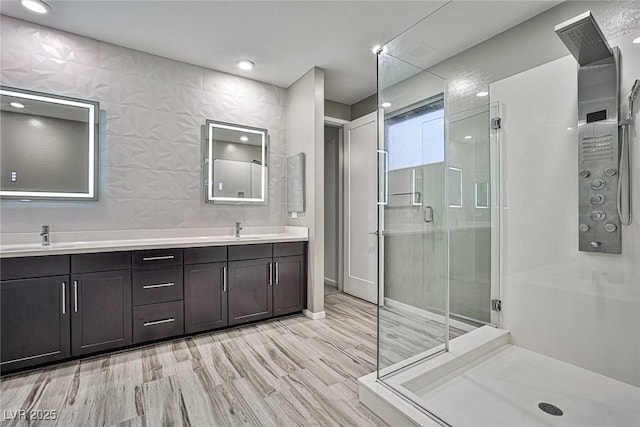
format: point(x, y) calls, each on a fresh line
point(235, 162)
point(48, 146)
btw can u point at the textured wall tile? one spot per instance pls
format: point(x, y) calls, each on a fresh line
point(151, 140)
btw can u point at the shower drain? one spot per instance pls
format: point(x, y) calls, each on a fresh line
point(550, 409)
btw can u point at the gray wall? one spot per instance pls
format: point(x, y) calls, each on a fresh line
point(151, 154)
point(48, 154)
point(364, 107)
point(331, 194)
point(337, 110)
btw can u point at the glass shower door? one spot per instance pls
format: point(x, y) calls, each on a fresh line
point(412, 216)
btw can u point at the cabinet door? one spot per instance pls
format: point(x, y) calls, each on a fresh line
point(34, 321)
point(205, 296)
point(288, 286)
point(250, 290)
point(100, 311)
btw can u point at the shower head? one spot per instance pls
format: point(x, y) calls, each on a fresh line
point(584, 39)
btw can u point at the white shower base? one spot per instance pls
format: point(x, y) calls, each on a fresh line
point(484, 381)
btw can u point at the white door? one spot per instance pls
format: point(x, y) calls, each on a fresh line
point(360, 217)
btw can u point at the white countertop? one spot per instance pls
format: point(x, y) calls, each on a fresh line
point(29, 244)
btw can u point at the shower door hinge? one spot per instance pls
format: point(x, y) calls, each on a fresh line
point(496, 305)
point(496, 123)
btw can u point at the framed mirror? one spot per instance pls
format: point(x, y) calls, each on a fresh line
point(48, 146)
point(235, 160)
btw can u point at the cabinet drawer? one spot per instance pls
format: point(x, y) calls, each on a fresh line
point(205, 255)
point(39, 266)
point(157, 321)
point(288, 249)
point(107, 261)
point(157, 258)
point(157, 285)
point(237, 253)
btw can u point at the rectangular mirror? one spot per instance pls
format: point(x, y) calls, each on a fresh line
point(235, 164)
point(48, 146)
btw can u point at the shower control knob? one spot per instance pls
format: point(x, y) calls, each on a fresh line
point(597, 184)
point(596, 199)
point(583, 227)
point(584, 173)
point(597, 215)
point(595, 244)
point(610, 171)
point(609, 227)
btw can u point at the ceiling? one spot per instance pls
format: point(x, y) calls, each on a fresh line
point(283, 38)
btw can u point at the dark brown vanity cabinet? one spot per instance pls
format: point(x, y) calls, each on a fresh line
point(205, 289)
point(60, 306)
point(100, 302)
point(34, 311)
point(265, 280)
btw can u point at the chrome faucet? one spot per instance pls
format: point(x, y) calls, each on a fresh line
point(45, 235)
point(238, 228)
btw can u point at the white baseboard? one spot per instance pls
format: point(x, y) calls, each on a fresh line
point(314, 316)
point(427, 314)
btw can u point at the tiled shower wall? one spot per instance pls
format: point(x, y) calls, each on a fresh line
point(150, 148)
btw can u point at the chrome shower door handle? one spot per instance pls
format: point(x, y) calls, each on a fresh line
point(415, 195)
point(384, 191)
point(428, 214)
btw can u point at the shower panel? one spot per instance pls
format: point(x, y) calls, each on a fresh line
point(598, 148)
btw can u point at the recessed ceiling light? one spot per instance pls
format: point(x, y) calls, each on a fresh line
point(385, 104)
point(37, 6)
point(569, 128)
point(245, 64)
point(483, 93)
point(636, 40)
point(15, 104)
point(468, 137)
point(244, 138)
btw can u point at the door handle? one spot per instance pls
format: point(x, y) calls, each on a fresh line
point(75, 296)
point(224, 279)
point(277, 274)
point(270, 274)
point(377, 233)
point(415, 195)
point(428, 214)
point(159, 285)
point(385, 183)
point(64, 297)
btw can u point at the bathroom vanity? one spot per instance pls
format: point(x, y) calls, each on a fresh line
point(73, 300)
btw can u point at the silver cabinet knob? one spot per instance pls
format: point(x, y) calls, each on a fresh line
point(584, 173)
point(597, 184)
point(597, 199)
point(597, 215)
point(583, 228)
point(609, 227)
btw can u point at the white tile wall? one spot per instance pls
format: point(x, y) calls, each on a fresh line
point(580, 307)
point(151, 146)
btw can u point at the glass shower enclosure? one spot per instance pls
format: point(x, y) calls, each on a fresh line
point(437, 176)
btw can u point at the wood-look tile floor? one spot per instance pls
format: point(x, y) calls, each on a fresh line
point(284, 372)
